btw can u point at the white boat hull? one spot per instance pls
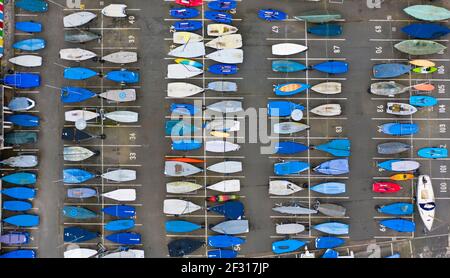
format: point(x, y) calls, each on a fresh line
point(289, 229)
point(219, 146)
point(28, 61)
point(79, 253)
point(123, 116)
point(76, 153)
point(328, 88)
point(405, 166)
point(286, 49)
point(226, 186)
point(188, 50)
point(180, 187)
point(226, 106)
point(228, 56)
point(226, 167)
point(120, 175)
point(425, 195)
point(115, 10)
point(179, 207)
point(76, 54)
point(226, 42)
point(185, 37)
point(121, 195)
point(125, 95)
point(327, 110)
point(129, 254)
point(224, 125)
point(400, 109)
point(215, 30)
point(283, 188)
point(180, 169)
point(75, 115)
point(179, 71)
point(78, 19)
point(121, 57)
point(289, 127)
point(182, 89)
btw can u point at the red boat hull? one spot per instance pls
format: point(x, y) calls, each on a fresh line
point(386, 187)
point(222, 198)
point(185, 159)
point(189, 3)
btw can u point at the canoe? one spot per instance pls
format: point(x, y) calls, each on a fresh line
point(186, 145)
point(331, 210)
point(77, 234)
point(219, 146)
point(80, 36)
point(272, 15)
point(28, 61)
point(19, 253)
point(231, 227)
point(294, 209)
point(20, 138)
point(78, 19)
point(226, 106)
point(222, 5)
point(419, 47)
point(23, 220)
point(333, 167)
point(226, 186)
point(115, 10)
point(180, 226)
point(15, 238)
point(120, 211)
point(75, 94)
point(179, 128)
point(289, 127)
point(222, 86)
point(219, 17)
point(286, 49)
point(390, 70)
point(21, 193)
point(292, 167)
point(79, 253)
point(180, 169)
point(319, 16)
point(28, 26)
point(121, 57)
point(333, 228)
point(75, 175)
point(79, 73)
point(428, 12)
point(189, 62)
point(184, 13)
point(428, 31)
point(286, 246)
point(22, 161)
point(183, 247)
point(389, 88)
point(120, 225)
point(433, 153)
point(396, 209)
point(224, 69)
point(222, 254)
point(327, 110)
point(289, 229)
point(81, 192)
point(21, 178)
point(400, 109)
point(34, 6)
point(424, 70)
point(336, 147)
point(426, 201)
point(327, 88)
point(397, 165)
point(423, 101)
point(283, 188)
point(182, 89)
point(402, 177)
point(181, 187)
point(121, 195)
point(326, 30)
point(189, 3)
point(225, 241)
point(218, 29)
point(188, 50)
point(287, 147)
point(385, 187)
point(184, 109)
point(78, 212)
point(21, 104)
point(30, 44)
point(332, 188)
point(22, 80)
point(76, 54)
point(424, 87)
point(179, 207)
point(123, 116)
point(331, 67)
point(229, 56)
point(226, 42)
point(76, 115)
point(399, 225)
point(289, 89)
point(422, 63)
point(123, 76)
point(287, 66)
point(187, 25)
point(223, 125)
point(120, 175)
point(328, 242)
point(75, 135)
point(226, 167)
point(232, 210)
point(16, 205)
point(399, 129)
point(185, 37)
point(178, 71)
point(76, 153)
point(392, 148)
point(24, 120)
point(127, 238)
point(128, 254)
point(282, 108)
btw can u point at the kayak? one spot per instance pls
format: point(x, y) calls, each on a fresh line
point(28, 61)
point(272, 15)
point(181, 187)
point(400, 109)
point(225, 69)
point(232, 210)
point(429, 31)
point(24, 120)
point(422, 63)
point(287, 147)
point(333, 228)
point(78, 212)
point(75, 94)
point(79, 73)
point(79, 253)
point(123, 76)
point(423, 101)
point(222, 5)
point(389, 88)
point(326, 30)
point(226, 106)
point(76, 54)
point(390, 70)
point(219, 17)
point(222, 254)
point(424, 87)
point(222, 198)
point(180, 169)
point(77, 234)
point(226, 167)
point(396, 209)
point(399, 225)
point(15, 238)
point(30, 44)
point(229, 56)
point(223, 125)
point(224, 241)
point(286, 246)
point(283, 188)
point(189, 3)
point(232, 41)
point(22, 80)
point(325, 242)
point(424, 70)
point(183, 89)
point(23, 220)
point(34, 6)
point(289, 229)
point(294, 209)
point(226, 186)
point(402, 177)
point(392, 148)
point(327, 110)
point(428, 12)
point(187, 25)
point(333, 167)
point(332, 188)
point(75, 135)
point(120, 225)
point(282, 108)
point(179, 226)
point(231, 227)
point(219, 29)
point(115, 10)
point(183, 13)
point(330, 254)
point(433, 153)
point(121, 57)
point(289, 89)
point(76, 175)
point(127, 238)
point(22, 161)
point(327, 88)
point(189, 62)
point(186, 145)
point(399, 129)
point(76, 153)
point(331, 210)
point(123, 116)
point(319, 16)
point(21, 178)
point(397, 165)
point(179, 207)
point(120, 211)
point(286, 49)
point(289, 127)
point(17, 205)
point(287, 66)
point(419, 47)
point(81, 192)
point(426, 201)
point(75, 36)
point(220, 146)
point(183, 247)
point(188, 50)
point(20, 253)
point(29, 26)
point(331, 67)
point(336, 147)
point(21, 193)
point(78, 19)
point(20, 138)
point(290, 168)
point(120, 175)
point(178, 71)
point(385, 187)
point(184, 109)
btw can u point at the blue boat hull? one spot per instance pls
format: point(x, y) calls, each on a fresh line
point(289, 148)
point(23, 220)
point(29, 26)
point(78, 212)
point(24, 120)
point(399, 129)
point(21, 193)
point(433, 153)
point(330, 254)
point(186, 145)
point(272, 15)
point(399, 225)
point(34, 6)
point(397, 209)
point(423, 101)
point(232, 210)
point(19, 254)
point(76, 234)
point(390, 70)
point(75, 94)
point(282, 108)
point(184, 109)
point(22, 178)
point(224, 241)
point(184, 13)
point(218, 17)
point(123, 76)
point(428, 31)
point(222, 5)
point(222, 254)
point(179, 128)
point(125, 238)
point(332, 67)
point(286, 246)
point(326, 30)
point(277, 89)
point(17, 205)
point(333, 167)
point(225, 69)
point(119, 225)
point(337, 147)
point(23, 80)
point(177, 226)
point(30, 44)
point(121, 211)
point(328, 242)
point(287, 66)
point(187, 26)
point(15, 238)
point(333, 228)
point(78, 73)
point(290, 168)
point(74, 175)
point(332, 188)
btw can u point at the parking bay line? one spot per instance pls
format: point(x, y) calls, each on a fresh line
point(303, 39)
point(98, 204)
point(398, 40)
point(100, 165)
point(306, 176)
point(307, 197)
point(303, 59)
point(410, 138)
point(113, 146)
point(413, 119)
point(309, 78)
point(411, 158)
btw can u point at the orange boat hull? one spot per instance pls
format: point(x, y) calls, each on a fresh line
point(402, 177)
point(185, 159)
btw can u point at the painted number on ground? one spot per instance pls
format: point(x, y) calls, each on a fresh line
point(131, 19)
point(73, 4)
point(336, 49)
point(443, 187)
point(275, 29)
point(380, 108)
point(372, 4)
point(132, 156)
point(339, 129)
point(442, 128)
point(131, 39)
point(378, 49)
point(378, 29)
point(443, 169)
point(132, 136)
point(441, 89)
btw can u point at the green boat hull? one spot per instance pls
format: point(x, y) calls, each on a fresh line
point(20, 138)
point(419, 47)
point(428, 12)
point(425, 70)
point(319, 16)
